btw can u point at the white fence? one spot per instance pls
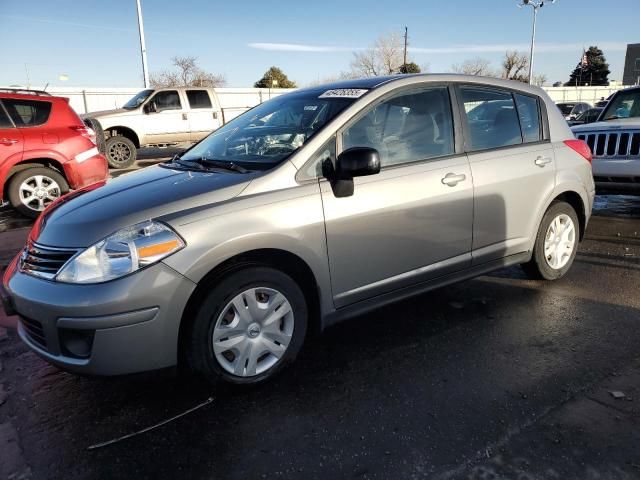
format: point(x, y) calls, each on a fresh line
point(589, 95)
point(233, 101)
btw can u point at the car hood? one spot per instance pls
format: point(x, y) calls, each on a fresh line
point(118, 112)
point(617, 124)
point(87, 217)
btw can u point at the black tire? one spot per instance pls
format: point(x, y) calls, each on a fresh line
point(538, 267)
point(95, 125)
point(120, 152)
point(16, 180)
point(198, 346)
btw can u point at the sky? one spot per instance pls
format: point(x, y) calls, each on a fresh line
point(95, 43)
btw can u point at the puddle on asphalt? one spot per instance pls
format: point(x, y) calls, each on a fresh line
point(10, 219)
point(617, 206)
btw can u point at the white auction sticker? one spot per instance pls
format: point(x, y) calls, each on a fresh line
point(344, 93)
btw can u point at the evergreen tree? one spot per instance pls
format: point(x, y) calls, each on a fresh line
point(593, 69)
point(274, 77)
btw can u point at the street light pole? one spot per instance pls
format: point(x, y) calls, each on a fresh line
point(537, 5)
point(143, 48)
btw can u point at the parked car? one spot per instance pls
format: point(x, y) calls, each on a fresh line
point(158, 118)
point(588, 116)
point(310, 208)
point(570, 110)
point(45, 149)
point(614, 141)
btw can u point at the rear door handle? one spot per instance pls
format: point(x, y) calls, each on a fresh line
point(452, 179)
point(542, 161)
point(8, 141)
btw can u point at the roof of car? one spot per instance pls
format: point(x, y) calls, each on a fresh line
point(25, 94)
point(371, 83)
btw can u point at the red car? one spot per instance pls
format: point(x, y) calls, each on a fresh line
point(45, 150)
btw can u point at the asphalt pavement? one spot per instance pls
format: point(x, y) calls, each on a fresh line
point(499, 377)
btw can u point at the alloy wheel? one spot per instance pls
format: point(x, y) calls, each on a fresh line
point(38, 191)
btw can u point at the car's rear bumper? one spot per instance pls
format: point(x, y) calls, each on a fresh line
point(118, 327)
point(86, 168)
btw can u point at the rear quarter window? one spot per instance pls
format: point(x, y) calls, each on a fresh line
point(27, 113)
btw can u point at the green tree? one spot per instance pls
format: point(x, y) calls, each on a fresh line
point(409, 67)
point(274, 77)
point(594, 72)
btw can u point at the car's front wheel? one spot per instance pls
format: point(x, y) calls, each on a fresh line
point(248, 327)
point(120, 152)
point(30, 191)
point(556, 243)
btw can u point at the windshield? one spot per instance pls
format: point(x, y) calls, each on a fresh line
point(267, 134)
point(566, 108)
point(138, 100)
point(625, 104)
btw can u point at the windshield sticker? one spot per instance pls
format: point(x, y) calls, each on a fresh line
point(311, 107)
point(344, 93)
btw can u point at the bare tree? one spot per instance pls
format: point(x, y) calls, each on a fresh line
point(514, 66)
point(474, 66)
point(384, 58)
point(539, 79)
point(188, 74)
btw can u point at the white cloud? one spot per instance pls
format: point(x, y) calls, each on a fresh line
point(470, 49)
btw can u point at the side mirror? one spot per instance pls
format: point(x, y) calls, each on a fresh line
point(150, 107)
point(353, 162)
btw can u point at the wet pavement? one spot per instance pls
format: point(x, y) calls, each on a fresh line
point(499, 377)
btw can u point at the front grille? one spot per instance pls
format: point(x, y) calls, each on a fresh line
point(34, 330)
point(601, 179)
point(614, 144)
point(44, 262)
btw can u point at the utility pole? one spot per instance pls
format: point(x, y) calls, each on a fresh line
point(537, 5)
point(143, 48)
point(404, 64)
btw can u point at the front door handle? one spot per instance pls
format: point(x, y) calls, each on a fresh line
point(184, 116)
point(452, 179)
point(542, 161)
point(8, 141)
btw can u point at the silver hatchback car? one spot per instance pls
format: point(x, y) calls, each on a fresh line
point(310, 208)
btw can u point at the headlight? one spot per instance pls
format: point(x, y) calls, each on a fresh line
point(122, 253)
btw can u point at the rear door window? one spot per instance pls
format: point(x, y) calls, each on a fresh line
point(199, 99)
point(4, 119)
point(27, 113)
point(491, 117)
point(529, 113)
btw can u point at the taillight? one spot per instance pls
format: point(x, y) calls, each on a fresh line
point(580, 147)
point(86, 132)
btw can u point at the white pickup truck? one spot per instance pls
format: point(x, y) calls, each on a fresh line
point(157, 118)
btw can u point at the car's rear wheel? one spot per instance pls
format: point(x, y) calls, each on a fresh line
point(556, 243)
point(30, 191)
point(120, 152)
point(248, 328)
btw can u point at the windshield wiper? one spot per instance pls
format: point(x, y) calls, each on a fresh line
point(204, 162)
point(224, 164)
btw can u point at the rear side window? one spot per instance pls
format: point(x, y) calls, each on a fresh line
point(492, 118)
point(168, 100)
point(27, 113)
point(198, 99)
point(4, 119)
point(529, 113)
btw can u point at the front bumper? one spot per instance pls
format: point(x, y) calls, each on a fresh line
point(128, 325)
